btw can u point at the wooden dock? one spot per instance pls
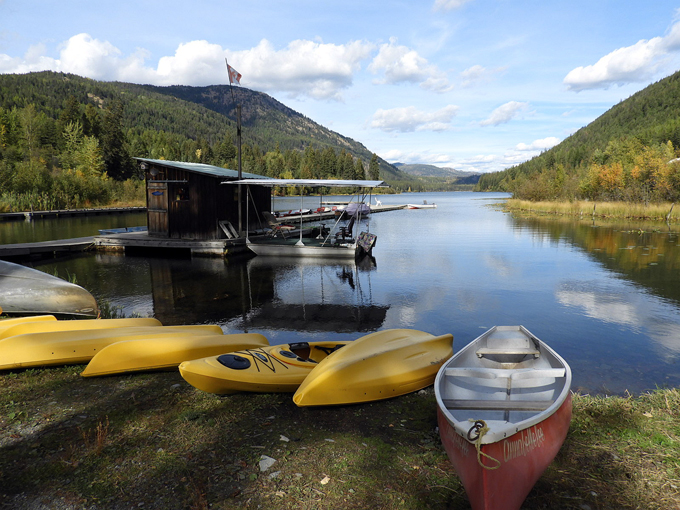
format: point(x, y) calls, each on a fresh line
point(66, 213)
point(46, 248)
point(120, 242)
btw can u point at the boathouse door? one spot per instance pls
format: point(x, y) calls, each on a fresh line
point(157, 208)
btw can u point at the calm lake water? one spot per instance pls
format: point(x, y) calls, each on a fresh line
point(605, 296)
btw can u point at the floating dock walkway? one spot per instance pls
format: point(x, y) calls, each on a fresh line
point(142, 241)
point(66, 213)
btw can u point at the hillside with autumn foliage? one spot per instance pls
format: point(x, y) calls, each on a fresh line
point(627, 154)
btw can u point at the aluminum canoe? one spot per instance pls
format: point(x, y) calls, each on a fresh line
point(27, 291)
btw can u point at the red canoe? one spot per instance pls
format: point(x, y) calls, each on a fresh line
point(504, 408)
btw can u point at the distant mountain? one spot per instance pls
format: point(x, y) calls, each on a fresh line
point(441, 172)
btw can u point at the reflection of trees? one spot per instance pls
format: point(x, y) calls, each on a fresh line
point(651, 259)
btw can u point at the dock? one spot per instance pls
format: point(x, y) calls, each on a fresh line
point(140, 240)
point(66, 213)
point(46, 248)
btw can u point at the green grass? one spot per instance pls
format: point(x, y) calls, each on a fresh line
point(153, 440)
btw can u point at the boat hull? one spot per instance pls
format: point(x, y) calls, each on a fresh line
point(78, 346)
point(273, 369)
point(507, 396)
point(27, 291)
point(523, 458)
point(291, 248)
point(54, 326)
point(163, 353)
point(381, 365)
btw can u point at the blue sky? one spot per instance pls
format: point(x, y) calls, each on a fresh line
point(476, 85)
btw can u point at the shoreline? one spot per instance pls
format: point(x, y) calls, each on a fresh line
point(662, 212)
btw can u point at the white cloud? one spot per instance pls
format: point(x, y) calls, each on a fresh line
point(478, 74)
point(303, 68)
point(410, 119)
point(400, 64)
point(635, 63)
point(505, 113)
point(447, 5)
point(538, 145)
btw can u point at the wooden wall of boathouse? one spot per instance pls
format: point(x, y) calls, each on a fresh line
point(189, 200)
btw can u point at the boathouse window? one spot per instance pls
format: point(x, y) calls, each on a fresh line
point(182, 194)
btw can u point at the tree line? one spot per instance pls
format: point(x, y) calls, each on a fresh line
point(625, 154)
point(84, 156)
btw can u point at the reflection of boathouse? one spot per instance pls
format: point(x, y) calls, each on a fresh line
point(264, 294)
point(186, 201)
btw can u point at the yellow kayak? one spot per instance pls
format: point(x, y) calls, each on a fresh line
point(377, 366)
point(48, 326)
point(79, 346)
point(277, 368)
point(10, 323)
point(164, 352)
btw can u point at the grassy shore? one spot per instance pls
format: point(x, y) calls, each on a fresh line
point(608, 210)
point(153, 441)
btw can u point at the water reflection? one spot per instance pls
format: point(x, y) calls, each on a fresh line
point(242, 294)
point(646, 297)
point(311, 295)
point(605, 296)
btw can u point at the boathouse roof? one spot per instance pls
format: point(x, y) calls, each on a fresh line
point(201, 168)
point(310, 183)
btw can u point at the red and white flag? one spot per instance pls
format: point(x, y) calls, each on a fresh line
point(234, 75)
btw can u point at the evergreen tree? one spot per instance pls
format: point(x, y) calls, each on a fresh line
point(374, 168)
point(117, 161)
point(359, 171)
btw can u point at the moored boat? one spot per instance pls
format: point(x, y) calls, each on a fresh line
point(424, 205)
point(504, 408)
point(380, 365)
point(163, 352)
point(277, 368)
point(333, 244)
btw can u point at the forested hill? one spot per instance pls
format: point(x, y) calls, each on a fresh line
point(268, 122)
point(607, 157)
point(179, 120)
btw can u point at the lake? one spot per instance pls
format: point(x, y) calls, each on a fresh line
point(605, 296)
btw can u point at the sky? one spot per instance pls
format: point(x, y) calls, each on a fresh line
point(475, 85)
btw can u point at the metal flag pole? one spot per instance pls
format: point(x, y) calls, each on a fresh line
point(238, 145)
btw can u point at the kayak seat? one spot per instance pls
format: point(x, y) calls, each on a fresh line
point(329, 350)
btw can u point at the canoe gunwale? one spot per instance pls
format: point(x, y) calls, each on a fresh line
point(522, 402)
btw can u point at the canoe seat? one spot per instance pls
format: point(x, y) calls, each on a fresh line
point(495, 373)
point(498, 405)
point(514, 351)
